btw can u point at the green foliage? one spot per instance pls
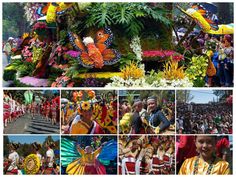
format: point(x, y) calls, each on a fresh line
point(128, 15)
point(74, 70)
point(153, 76)
point(199, 82)
point(127, 59)
point(197, 68)
point(9, 29)
point(184, 96)
point(19, 66)
point(26, 69)
point(13, 20)
point(9, 75)
point(63, 35)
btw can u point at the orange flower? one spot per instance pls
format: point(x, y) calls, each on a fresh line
point(80, 95)
point(75, 94)
point(91, 94)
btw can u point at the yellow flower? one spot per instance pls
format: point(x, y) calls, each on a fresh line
point(173, 71)
point(132, 71)
point(25, 35)
point(85, 105)
point(51, 14)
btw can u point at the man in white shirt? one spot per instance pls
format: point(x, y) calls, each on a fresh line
point(50, 155)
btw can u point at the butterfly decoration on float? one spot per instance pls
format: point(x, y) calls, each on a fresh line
point(95, 53)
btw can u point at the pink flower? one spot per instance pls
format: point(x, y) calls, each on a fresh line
point(39, 25)
point(178, 57)
point(29, 59)
point(163, 53)
point(73, 54)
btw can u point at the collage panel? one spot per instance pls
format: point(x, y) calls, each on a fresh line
point(31, 111)
point(204, 111)
point(31, 155)
point(162, 79)
point(89, 112)
point(204, 154)
point(143, 44)
point(89, 155)
point(146, 111)
point(146, 155)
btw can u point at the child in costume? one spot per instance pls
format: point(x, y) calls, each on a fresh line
point(206, 163)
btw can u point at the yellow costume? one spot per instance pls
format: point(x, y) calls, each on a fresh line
point(198, 16)
point(218, 167)
point(84, 164)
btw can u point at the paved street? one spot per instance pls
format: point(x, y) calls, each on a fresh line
point(27, 125)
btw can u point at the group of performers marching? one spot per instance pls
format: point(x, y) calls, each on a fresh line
point(49, 110)
point(12, 109)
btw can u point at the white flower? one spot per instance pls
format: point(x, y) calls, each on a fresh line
point(135, 45)
point(172, 83)
point(120, 82)
point(88, 40)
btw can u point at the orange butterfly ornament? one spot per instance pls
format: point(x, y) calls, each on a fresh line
point(95, 52)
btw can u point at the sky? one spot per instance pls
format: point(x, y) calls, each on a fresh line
point(30, 139)
point(202, 96)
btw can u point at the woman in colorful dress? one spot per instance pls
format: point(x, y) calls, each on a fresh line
point(54, 108)
point(47, 111)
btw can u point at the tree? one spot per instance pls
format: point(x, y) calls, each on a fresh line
point(6, 141)
point(184, 96)
point(225, 12)
point(14, 23)
point(222, 94)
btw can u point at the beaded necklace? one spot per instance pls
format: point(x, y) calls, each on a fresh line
point(195, 172)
